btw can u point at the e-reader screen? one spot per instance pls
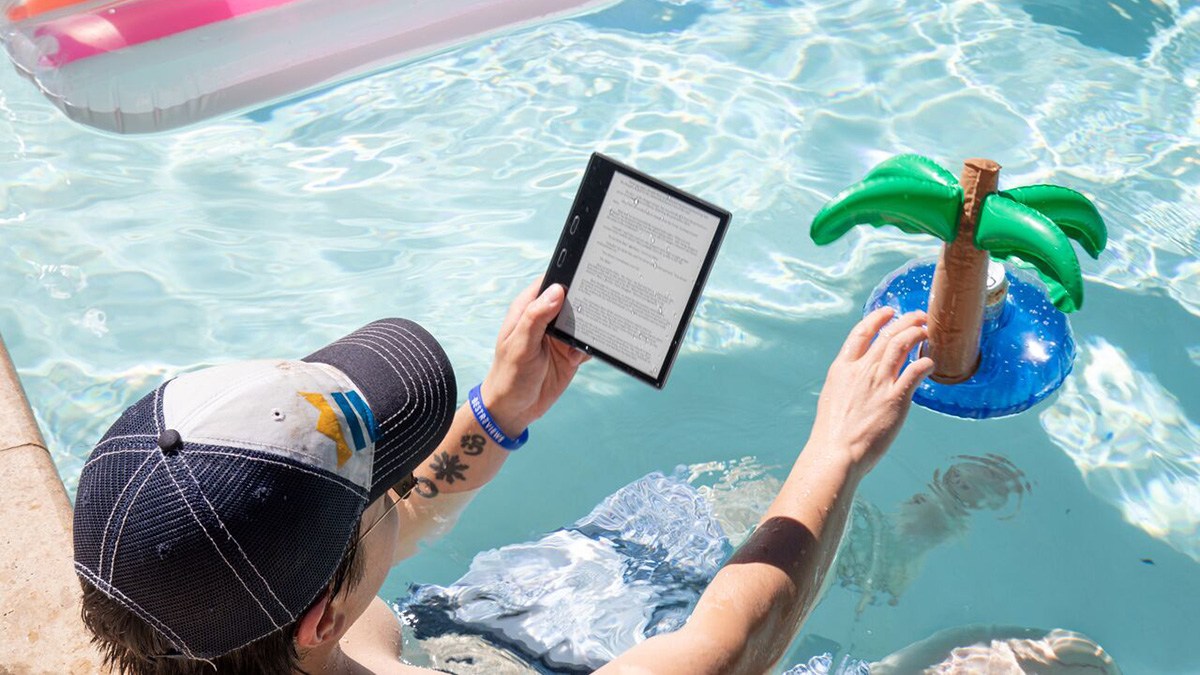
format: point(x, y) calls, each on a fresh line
point(634, 255)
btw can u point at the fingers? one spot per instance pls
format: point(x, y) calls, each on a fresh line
point(913, 375)
point(861, 335)
point(578, 357)
point(518, 307)
point(570, 355)
point(888, 333)
point(575, 358)
point(902, 323)
point(891, 346)
point(898, 348)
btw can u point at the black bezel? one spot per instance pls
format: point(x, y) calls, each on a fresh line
point(565, 260)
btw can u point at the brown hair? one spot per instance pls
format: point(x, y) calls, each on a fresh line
point(130, 646)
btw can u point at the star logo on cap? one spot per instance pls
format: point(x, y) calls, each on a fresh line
point(357, 416)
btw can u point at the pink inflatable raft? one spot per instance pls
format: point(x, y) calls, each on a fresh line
point(140, 66)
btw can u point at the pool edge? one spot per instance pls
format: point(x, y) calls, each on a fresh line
point(40, 629)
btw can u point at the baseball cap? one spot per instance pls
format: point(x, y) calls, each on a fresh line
point(218, 507)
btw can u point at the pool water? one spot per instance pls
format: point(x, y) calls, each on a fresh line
point(436, 191)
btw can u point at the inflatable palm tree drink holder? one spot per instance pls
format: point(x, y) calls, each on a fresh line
point(998, 294)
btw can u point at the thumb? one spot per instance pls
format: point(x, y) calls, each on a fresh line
point(539, 313)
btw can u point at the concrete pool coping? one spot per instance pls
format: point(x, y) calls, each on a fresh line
point(40, 628)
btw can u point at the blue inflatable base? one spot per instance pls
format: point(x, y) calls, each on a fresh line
point(1024, 355)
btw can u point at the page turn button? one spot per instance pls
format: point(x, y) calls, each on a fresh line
point(562, 255)
point(574, 224)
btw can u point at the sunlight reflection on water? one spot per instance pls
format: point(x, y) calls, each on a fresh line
point(1133, 444)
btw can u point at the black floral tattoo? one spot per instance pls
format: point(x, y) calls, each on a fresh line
point(472, 444)
point(426, 488)
point(448, 467)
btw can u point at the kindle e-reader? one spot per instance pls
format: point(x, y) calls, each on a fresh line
point(633, 255)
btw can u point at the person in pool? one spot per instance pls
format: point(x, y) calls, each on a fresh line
point(242, 518)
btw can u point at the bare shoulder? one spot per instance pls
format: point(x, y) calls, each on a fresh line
point(373, 642)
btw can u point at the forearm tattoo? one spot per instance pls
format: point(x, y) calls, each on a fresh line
point(449, 468)
point(426, 488)
point(472, 444)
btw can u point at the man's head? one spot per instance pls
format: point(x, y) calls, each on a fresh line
point(225, 505)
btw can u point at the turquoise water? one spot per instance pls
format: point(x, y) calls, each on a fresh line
point(435, 191)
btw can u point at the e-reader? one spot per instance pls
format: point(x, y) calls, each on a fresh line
point(633, 255)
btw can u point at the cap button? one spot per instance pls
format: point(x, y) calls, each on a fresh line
point(170, 442)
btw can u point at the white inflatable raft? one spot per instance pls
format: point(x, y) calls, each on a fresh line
point(140, 66)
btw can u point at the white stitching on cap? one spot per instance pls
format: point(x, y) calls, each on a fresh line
point(106, 441)
point(157, 403)
point(106, 455)
point(424, 428)
point(372, 342)
point(399, 345)
point(111, 514)
point(395, 340)
point(402, 340)
point(291, 616)
point(218, 549)
point(349, 488)
point(112, 562)
point(407, 409)
point(411, 438)
point(120, 597)
point(213, 439)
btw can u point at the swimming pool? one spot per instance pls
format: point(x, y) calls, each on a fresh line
point(435, 191)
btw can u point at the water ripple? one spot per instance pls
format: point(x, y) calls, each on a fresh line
point(883, 552)
point(1132, 443)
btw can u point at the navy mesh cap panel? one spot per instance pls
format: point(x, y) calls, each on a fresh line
point(407, 379)
point(104, 483)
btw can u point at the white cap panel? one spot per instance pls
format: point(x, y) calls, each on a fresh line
point(287, 408)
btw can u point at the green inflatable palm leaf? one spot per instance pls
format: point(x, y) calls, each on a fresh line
point(1073, 213)
point(1010, 229)
point(913, 166)
point(915, 205)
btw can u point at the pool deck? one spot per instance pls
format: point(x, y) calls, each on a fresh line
point(40, 630)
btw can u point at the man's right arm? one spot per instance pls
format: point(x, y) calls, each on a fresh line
point(756, 603)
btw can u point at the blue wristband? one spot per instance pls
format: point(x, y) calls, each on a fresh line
point(490, 427)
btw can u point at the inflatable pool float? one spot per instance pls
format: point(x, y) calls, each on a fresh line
point(140, 66)
point(998, 337)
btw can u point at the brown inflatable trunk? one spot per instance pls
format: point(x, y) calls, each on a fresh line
point(960, 283)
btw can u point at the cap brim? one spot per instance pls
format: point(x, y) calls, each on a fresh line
point(408, 383)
